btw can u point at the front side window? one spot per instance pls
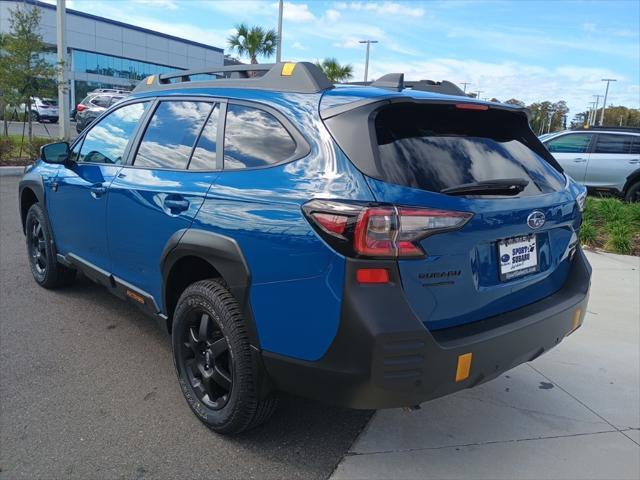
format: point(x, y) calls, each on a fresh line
point(610, 143)
point(572, 143)
point(107, 141)
point(171, 134)
point(254, 138)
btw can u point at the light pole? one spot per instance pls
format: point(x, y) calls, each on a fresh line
point(591, 114)
point(63, 88)
point(598, 97)
point(606, 92)
point(366, 63)
point(464, 85)
point(279, 44)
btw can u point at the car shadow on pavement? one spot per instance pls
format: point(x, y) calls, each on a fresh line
point(308, 436)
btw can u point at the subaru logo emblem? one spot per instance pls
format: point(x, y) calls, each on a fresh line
point(536, 219)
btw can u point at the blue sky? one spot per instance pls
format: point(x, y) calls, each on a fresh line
point(531, 50)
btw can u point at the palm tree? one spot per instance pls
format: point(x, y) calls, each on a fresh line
point(253, 41)
point(334, 71)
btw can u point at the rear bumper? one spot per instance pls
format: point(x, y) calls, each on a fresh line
point(384, 357)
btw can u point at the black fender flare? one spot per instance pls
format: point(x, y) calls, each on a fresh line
point(223, 254)
point(631, 179)
point(32, 181)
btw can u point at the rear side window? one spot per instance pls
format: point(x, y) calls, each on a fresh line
point(254, 138)
point(609, 143)
point(107, 141)
point(571, 143)
point(204, 155)
point(171, 134)
point(101, 101)
point(434, 147)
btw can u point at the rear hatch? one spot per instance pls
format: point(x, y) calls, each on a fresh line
point(516, 244)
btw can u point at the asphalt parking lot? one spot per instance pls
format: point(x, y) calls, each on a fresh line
point(50, 130)
point(87, 390)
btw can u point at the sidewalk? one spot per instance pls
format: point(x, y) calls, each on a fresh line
point(572, 413)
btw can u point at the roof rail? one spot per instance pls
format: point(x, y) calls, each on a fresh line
point(301, 77)
point(610, 129)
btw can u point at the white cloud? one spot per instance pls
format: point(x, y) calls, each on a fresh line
point(298, 46)
point(332, 15)
point(168, 4)
point(505, 80)
point(589, 27)
point(383, 8)
point(348, 42)
point(297, 12)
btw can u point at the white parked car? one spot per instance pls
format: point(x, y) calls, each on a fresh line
point(601, 158)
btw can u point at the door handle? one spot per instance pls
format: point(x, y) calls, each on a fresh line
point(176, 205)
point(97, 190)
point(633, 162)
point(579, 160)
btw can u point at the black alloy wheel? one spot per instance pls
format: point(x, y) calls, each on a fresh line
point(206, 360)
point(37, 246)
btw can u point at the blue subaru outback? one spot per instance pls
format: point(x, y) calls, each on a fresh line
point(367, 246)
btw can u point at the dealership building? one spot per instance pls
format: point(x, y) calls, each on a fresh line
point(103, 53)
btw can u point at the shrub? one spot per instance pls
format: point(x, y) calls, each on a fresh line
point(588, 233)
point(6, 147)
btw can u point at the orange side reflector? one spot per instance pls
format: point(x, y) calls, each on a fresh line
point(287, 69)
point(576, 319)
point(135, 296)
point(150, 79)
point(464, 367)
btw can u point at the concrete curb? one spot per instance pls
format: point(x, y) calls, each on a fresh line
point(11, 171)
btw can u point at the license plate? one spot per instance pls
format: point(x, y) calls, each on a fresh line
point(518, 256)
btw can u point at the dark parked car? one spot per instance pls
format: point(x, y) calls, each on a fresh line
point(94, 105)
point(367, 246)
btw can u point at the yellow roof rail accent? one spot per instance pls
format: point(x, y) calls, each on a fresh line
point(287, 69)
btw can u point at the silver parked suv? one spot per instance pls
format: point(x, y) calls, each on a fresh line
point(602, 158)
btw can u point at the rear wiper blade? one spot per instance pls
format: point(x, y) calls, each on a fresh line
point(503, 186)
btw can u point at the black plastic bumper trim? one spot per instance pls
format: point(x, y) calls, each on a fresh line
point(384, 357)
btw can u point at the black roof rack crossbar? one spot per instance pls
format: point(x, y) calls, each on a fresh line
point(217, 71)
point(396, 81)
point(300, 77)
point(444, 87)
point(390, 81)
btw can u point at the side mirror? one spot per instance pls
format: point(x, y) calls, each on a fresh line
point(55, 152)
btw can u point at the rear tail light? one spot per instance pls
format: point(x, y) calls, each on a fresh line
point(80, 107)
point(383, 231)
point(372, 275)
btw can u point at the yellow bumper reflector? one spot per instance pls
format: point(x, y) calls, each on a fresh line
point(287, 69)
point(576, 319)
point(464, 367)
point(150, 79)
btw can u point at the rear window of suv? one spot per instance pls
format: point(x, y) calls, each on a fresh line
point(435, 147)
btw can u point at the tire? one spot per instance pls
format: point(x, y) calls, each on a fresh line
point(35, 116)
point(633, 193)
point(214, 360)
point(46, 269)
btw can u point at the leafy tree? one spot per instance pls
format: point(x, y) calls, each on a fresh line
point(253, 41)
point(25, 73)
point(334, 71)
point(515, 101)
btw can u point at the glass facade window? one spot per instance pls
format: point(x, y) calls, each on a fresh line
point(118, 67)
